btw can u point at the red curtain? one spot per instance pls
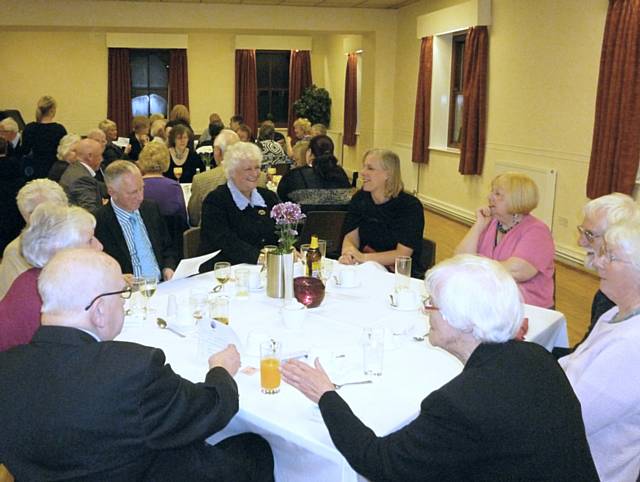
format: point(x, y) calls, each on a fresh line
point(178, 78)
point(615, 149)
point(119, 90)
point(299, 79)
point(422, 119)
point(247, 87)
point(474, 109)
point(351, 101)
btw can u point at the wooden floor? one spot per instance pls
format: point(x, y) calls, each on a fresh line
point(574, 287)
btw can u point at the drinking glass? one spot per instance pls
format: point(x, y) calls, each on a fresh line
point(147, 286)
point(372, 350)
point(198, 303)
point(304, 248)
point(242, 282)
point(270, 366)
point(322, 247)
point(403, 273)
point(219, 309)
point(222, 272)
point(177, 172)
point(327, 270)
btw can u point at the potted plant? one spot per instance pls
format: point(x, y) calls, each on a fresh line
point(315, 105)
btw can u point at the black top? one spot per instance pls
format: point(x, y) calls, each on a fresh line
point(113, 153)
point(42, 141)
point(136, 147)
point(57, 170)
point(239, 234)
point(510, 415)
point(11, 181)
point(189, 167)
point(382, 226)
point(306, 187)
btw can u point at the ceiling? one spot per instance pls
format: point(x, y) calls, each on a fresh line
point(387, 4)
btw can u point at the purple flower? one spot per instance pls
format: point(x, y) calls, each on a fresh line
point(287, 216)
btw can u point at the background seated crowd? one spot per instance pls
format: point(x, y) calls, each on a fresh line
point(61, 302)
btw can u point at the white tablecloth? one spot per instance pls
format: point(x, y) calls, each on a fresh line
point(291, 423)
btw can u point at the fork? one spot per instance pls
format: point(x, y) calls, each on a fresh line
point(338, 386)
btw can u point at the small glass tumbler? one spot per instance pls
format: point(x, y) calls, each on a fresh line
point(373, 350)
point(270, 352)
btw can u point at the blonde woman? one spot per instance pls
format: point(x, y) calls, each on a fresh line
point(383, 222)
point(167, 193)
point(507, 232)
point(40, 139)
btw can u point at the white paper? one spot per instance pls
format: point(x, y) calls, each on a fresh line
point(214, 337)
point(122, 142)
point(190, 266)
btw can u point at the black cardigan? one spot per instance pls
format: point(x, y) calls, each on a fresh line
point(510, 415)
point(239, 234)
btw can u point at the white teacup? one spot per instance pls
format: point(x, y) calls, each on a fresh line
point(404, 300)
point(293, 315)
point(348, 277)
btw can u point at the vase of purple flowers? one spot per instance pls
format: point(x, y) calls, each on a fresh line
point(280, 263)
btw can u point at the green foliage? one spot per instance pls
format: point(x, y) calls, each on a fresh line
point(315, 105)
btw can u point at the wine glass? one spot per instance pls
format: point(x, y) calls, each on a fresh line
point(222, 272)
point(177, 171)
point(147, 286)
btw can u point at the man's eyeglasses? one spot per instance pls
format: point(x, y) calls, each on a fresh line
point(125, 294)
point(589, 235)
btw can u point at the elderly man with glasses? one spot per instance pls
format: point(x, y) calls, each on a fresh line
point(84, 407)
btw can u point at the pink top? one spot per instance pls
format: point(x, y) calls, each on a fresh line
point(20, 310)
point(530, 240)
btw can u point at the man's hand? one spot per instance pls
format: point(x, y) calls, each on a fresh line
point(167, 274)
point(229, 359)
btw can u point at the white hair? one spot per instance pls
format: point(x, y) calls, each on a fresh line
point(224, 139)
point(74, 277)
point(615, 207)
point(625, 236)
point(53, 227)
point(65, 144)
point(238, 152)
point(9, 124)
point(37, 192)
point(476, 294)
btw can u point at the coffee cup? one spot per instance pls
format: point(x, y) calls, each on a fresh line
point(348, 278)
point(293, 315)
point(404, 300)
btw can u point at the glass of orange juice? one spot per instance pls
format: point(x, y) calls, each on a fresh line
point(270, 366)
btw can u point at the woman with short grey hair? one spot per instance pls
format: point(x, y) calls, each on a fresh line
point(509, 415)
point(29, 197)
point(236, 216)
point(603, 369)
point(51, 228)
point(67, 154)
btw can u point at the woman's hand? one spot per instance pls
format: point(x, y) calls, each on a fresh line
point(483, 217)
point(351, 256)
point(312, 382)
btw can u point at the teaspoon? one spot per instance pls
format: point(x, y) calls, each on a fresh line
point(163, 325)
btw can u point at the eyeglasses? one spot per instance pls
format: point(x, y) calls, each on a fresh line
point(125, 294)
point(427, 305)
point(589, 235)
point(610, 258)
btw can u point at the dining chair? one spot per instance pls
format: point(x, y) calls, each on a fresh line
point(427, 256)
point(191, 242)
point(327, 225)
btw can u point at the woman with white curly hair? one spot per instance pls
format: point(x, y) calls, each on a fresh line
point(510, 414)
point(603, 370)
point(51, 227)
point(236, 216)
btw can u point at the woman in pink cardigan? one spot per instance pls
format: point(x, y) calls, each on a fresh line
point(505, 231)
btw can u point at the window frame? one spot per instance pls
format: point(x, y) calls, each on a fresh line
point(165, 56)
point(456, 86)
point(271, 89)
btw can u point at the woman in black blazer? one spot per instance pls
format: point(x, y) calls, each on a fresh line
point(510, 415)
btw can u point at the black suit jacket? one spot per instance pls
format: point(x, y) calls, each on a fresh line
point(510, 415)
point(74, 408)
point(109, 232)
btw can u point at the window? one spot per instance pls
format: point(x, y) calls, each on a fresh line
point(456, 99)
point(149, 81)
point(272, 68)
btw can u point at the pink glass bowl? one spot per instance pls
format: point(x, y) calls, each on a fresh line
point(308, 291)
